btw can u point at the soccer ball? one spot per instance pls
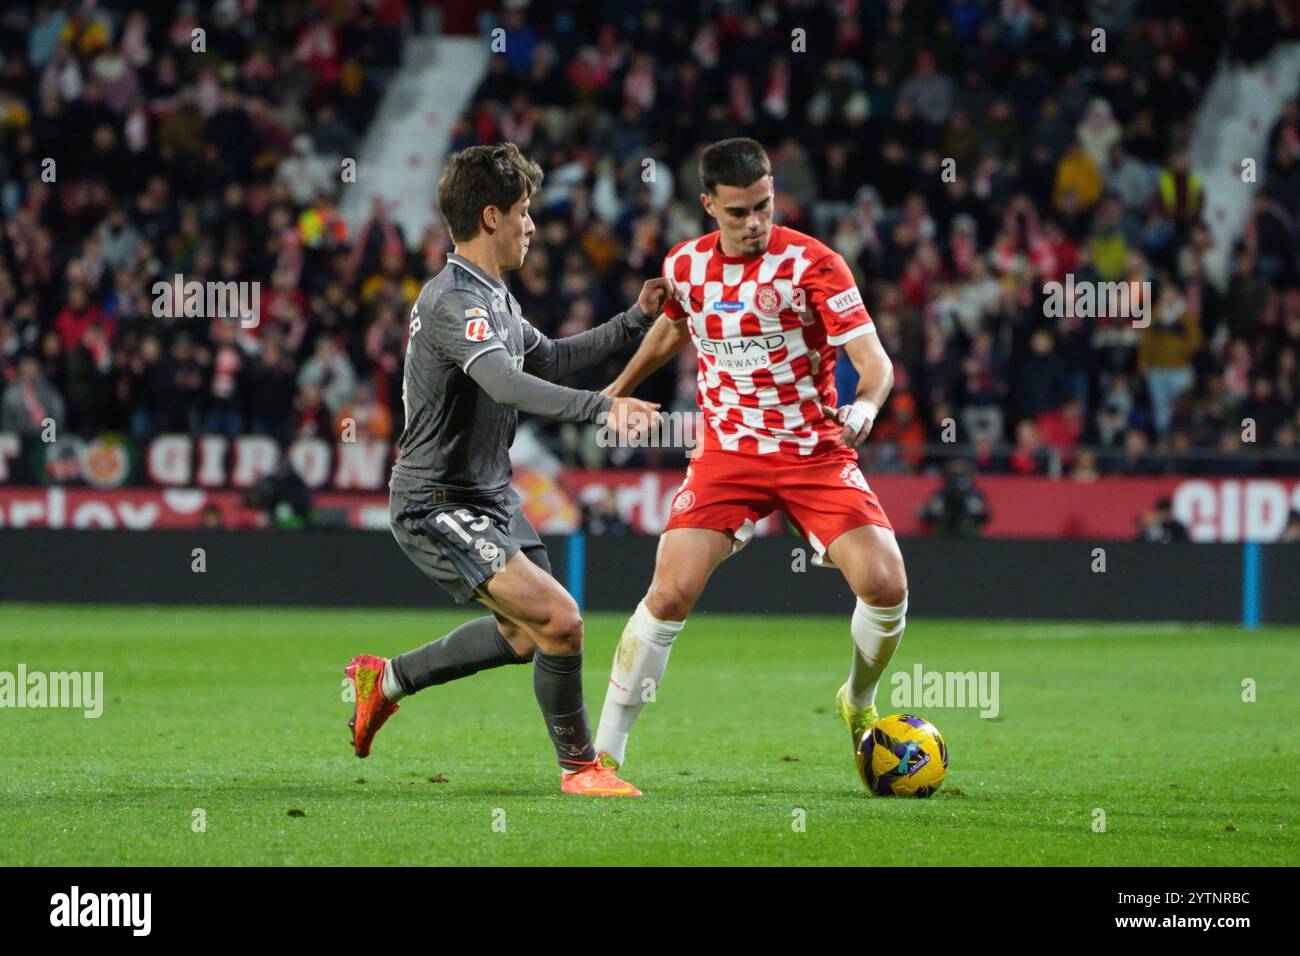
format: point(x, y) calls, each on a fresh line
point(903, 756)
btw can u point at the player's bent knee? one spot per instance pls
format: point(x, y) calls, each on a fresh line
point(891, 596)
point(669, 602)
point(886, 587)
point(562, 631)
point(888, 592)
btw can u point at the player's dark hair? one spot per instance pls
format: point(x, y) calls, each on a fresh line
point(733, 162)
point(483, 176)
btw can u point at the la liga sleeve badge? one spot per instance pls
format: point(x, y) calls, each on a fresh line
point(478, 330)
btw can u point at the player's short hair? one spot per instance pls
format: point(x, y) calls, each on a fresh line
point(483, 176)
point(734, 162)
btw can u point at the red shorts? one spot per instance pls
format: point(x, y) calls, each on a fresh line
point(824, 495)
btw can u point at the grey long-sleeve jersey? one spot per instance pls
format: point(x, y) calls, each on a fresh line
point(472, 364)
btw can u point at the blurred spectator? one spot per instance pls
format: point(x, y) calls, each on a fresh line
point(986, 456)
point(1165, 353)
point(1085, 466)
point(305, 174)
point(369, 420)
point(1180, 192)
point(928, 90)
point(271, 392)
point(1062, 428)
point(1247, 294)
point(311, 419)
point(79, 315)
point(283, 496)
point(330, 372)
point(1029, 456)
point(1042, 377)
point(1134, 460)
point(1159, 525)
point(601, 517)
point(901, 426)
point(1078, 182)
point(957, 510)
point(224, 415)
point(1098, 132)
point(210, 518)
point(29, 400)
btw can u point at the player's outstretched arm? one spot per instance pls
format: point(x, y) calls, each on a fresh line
point(494, 372)
point(552, 359)
point(660, 346)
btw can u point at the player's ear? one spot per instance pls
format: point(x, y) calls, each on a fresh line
point(707, 202)
point(490, 219)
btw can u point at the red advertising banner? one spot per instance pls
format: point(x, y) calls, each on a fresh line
point(1220, 509)
point(144, 509)
point(180, 461)
point(1213, 509)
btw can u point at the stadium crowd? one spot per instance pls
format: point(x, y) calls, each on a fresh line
point(960, 154)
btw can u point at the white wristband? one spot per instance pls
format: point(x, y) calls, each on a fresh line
point(859, 414)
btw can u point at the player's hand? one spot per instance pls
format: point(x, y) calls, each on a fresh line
point(632, 418)
point(656, 293)
point(842, 416)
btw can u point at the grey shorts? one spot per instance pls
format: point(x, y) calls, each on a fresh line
point(462, 544)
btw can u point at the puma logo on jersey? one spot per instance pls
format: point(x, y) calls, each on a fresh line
point(478, 330)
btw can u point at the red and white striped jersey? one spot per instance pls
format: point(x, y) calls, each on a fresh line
point(766, 329)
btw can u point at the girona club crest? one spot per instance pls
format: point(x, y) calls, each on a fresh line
point(684, 501)
point(767, 300)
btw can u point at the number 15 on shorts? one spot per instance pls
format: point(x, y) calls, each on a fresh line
point(461, 519)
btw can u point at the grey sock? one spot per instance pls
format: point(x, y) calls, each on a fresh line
point(557, 682)
point(474, 646)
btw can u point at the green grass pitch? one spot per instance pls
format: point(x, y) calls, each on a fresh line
point(240, 714)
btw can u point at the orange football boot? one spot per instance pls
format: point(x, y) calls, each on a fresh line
point(594, 780)
point(372, 708)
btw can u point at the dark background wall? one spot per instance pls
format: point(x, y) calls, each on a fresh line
point(1016, 579)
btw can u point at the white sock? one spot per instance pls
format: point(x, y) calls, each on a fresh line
point(388, 684)
point(876, 634)
point(639, 665)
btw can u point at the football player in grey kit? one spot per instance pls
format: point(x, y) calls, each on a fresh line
point(472, 364)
